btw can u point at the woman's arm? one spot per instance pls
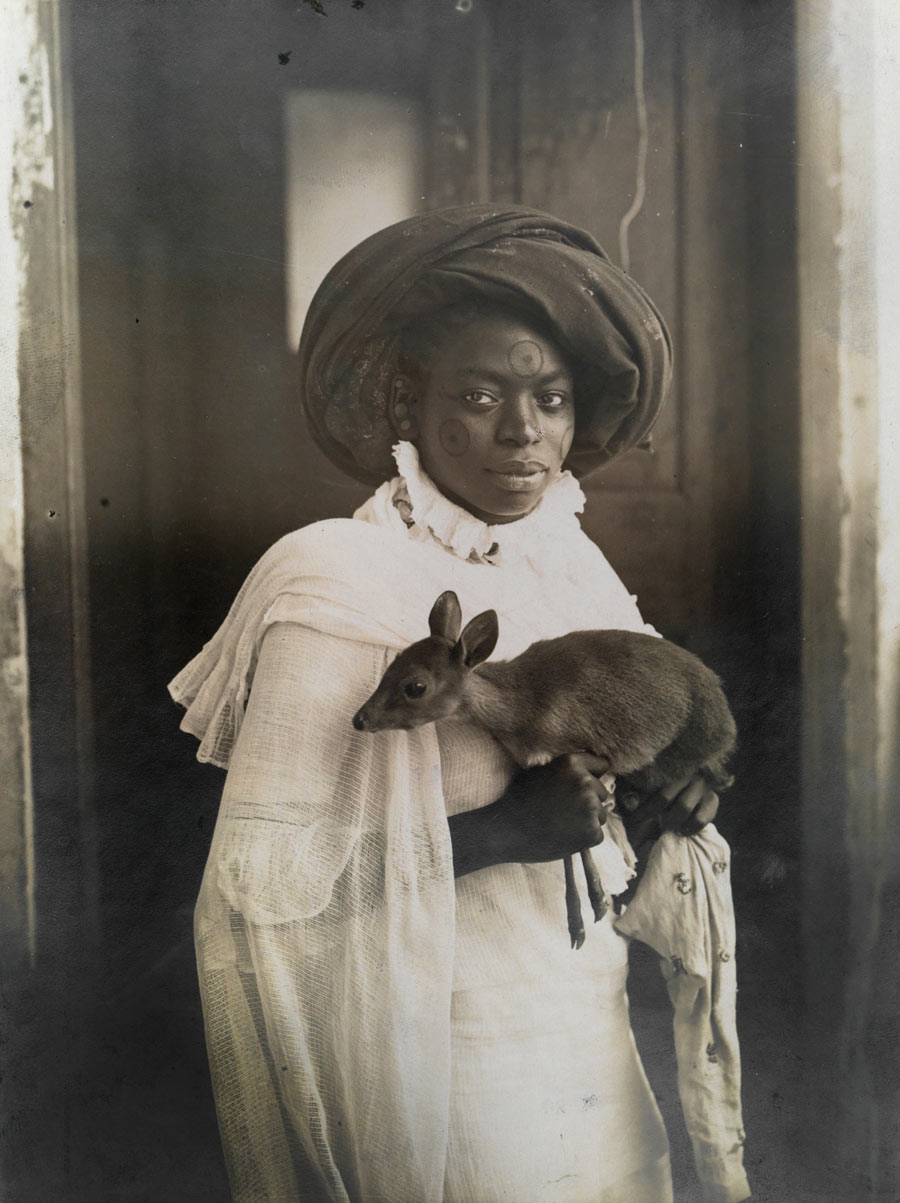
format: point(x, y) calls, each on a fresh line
point(326, 936)
point(306, 794)
point(556, 810)
point(545, 813)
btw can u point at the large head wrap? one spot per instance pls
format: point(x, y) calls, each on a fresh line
point(611, 330)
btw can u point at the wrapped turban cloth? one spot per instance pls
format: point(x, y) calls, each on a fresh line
point(614, 336)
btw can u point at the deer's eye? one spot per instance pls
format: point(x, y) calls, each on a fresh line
point(414, 689)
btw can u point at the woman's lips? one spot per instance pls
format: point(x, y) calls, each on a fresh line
point(519, 476)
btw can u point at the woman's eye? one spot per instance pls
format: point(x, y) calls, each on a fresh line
point(554, 400)
point(414, 689)
point(478, 397)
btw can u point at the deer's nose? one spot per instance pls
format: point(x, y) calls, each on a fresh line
point(359, 720)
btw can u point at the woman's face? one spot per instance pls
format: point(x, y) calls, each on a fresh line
point(494, 419)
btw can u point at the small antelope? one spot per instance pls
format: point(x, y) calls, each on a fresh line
point(651, 709)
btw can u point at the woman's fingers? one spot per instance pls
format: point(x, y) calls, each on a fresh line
point(705, 812)
point(592, 814)
point(683, 799)
point(671, 791)
point(595, 765)
point(693, 804)
point(685, 806)
point(554, 809)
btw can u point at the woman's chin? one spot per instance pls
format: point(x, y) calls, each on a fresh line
point(504, 505)
point(498, 497)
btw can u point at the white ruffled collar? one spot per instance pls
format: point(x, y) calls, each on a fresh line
point(467, 536)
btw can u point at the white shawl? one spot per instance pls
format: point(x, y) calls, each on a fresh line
point(325, 926)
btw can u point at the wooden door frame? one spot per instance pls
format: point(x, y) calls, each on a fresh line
point(51, 872)
point(848, 255)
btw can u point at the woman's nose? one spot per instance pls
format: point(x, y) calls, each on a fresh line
point(519, 423)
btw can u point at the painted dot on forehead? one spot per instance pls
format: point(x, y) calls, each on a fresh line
point(526, 358)
point(454, 437)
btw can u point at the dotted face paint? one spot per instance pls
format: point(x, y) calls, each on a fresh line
point(454, 437)
point(526, 358)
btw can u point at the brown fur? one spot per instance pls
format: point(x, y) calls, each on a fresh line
point(652, 709)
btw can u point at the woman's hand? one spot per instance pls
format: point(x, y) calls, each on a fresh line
point(547, 813)
point(685, 807)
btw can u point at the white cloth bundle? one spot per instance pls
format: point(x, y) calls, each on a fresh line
point(408, 1037)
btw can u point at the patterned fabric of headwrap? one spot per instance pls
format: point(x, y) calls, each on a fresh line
point(617, 341)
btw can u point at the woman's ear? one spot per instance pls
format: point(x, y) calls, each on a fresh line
point(402, 407)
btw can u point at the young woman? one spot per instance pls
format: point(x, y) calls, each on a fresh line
point(393, 1011)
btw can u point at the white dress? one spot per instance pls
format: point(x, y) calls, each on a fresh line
point(410, 1037)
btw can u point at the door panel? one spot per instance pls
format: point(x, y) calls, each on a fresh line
point(556, 119)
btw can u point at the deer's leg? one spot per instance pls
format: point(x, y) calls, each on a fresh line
point(573, 905)
point(594, 888)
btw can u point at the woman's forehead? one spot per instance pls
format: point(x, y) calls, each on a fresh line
point(500, 342)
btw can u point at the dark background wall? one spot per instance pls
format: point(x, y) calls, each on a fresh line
point(197, 460)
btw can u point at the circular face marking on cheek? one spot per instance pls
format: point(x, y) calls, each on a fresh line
point(526, 358)
point(454, 437)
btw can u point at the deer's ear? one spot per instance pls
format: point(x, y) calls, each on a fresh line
point(445, 618)
point(479, 638)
